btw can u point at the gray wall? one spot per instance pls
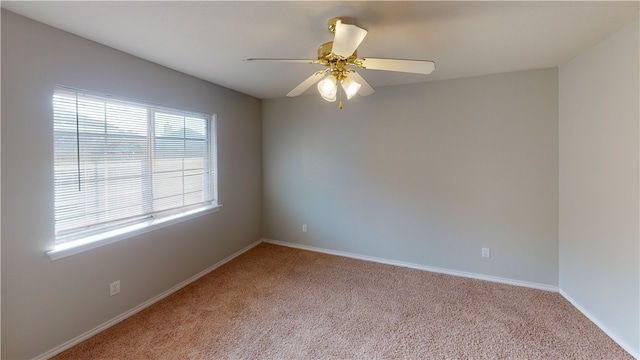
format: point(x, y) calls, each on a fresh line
point(45, 303)
point(427, 174)
point(599, 182)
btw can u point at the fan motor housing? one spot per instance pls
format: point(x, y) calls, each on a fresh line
point(326, 56)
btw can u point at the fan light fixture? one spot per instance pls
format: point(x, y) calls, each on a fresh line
point(350, 87)
point(328, 87)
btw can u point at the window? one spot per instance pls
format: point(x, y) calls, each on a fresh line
point(121, 163)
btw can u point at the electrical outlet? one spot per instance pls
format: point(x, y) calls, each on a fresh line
point(486, 252)
point(114, 288)
point(304, 227)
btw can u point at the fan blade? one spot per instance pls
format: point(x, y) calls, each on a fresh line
point(409, 66)
point(365, 88)
point(307, 83)
point(284, 60)
point(347, 38)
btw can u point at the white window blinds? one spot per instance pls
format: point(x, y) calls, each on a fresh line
point(119, 162)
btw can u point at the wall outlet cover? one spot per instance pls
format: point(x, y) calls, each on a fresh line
point(114, 288)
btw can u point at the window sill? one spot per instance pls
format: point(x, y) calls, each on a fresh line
point(91, 242)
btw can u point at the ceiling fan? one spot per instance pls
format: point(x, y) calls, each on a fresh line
point(340, 56)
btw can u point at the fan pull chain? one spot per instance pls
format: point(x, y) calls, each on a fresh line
point(340, 103)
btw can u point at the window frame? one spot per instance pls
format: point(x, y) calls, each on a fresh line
point(83, 242)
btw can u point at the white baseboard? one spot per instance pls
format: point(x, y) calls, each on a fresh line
point(418, 266)
point(144, 305)
point(628, 348)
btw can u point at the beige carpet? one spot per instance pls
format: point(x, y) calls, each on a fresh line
point(275, 302)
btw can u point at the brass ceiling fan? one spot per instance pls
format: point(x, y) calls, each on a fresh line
point(340, 56)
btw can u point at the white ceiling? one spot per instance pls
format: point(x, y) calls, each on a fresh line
point(210, 39)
